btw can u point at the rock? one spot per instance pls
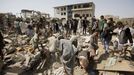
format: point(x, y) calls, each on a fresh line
point(8, 40)
point(11, 50)
point(56, 65)
point(59, 71)
point(24, 36)
point(79, 71)
point(19, 49)
point(9, 73)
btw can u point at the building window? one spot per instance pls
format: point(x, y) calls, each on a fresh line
point(75, 7)
point(87, 15)
point(85, 5)
point(61, 9)
point(61, 13)
point(79, 6)
point(70, 7)
point(64, 8)
point(64, 13)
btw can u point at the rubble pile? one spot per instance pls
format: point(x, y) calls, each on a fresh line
point(21, 58)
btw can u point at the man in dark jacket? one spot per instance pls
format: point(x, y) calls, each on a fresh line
point(124, 36)
point(107, 35)
point(1, 46)
point(57, 27)
point(85, 22)
point(75, 26)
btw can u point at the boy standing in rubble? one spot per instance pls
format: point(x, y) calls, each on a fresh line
point(101, 26)
point(35, 39)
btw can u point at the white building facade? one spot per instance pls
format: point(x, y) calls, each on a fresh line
point(75, 11)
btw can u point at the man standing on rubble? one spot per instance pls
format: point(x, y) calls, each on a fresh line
point(101, 26)
point(17, 27)
point(57, 27)
point(1, 46)
point(79, 27)
point(107, 36)
point(74, 26)
point(30, 31)
point(67, 28)
point(85, 24)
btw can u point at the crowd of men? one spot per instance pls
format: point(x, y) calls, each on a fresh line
point(66, 39)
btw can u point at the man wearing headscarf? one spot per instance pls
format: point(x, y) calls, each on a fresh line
point(79, 27)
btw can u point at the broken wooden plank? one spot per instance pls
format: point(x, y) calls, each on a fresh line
point(119, 66)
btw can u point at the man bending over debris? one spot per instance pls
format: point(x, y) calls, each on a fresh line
point(86, 57)
point(93, 46)
point(67, 55)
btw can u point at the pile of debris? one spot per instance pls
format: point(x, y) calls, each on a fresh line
point(21, 58)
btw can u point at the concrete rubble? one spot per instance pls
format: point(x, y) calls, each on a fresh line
point(20, 59)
